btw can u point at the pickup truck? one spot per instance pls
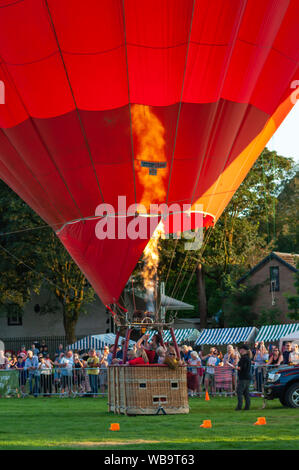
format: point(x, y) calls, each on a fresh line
point(283, 383)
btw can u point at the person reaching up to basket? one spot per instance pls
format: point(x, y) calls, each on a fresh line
point(137, 358)
point(149, 347)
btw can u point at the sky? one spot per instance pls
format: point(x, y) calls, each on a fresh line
point(286, 139)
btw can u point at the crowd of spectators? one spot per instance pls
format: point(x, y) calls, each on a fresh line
point(84, 373)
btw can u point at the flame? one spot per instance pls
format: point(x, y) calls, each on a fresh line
point(149, 133)
point(151, 262)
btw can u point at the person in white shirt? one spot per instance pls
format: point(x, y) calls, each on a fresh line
point(67, 363)
point(161, 353)
point(212, 361)
point(294, 355)
point(45, 374)
point(193, 377)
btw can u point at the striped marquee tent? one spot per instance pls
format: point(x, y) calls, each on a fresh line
point(275, 332)
point(96, 342)
point(181, 335)
point(220, 336)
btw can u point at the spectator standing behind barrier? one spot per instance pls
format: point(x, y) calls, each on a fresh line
point(31, 365)
point(120, 352)
point(22, 373)
point(185, 353)
point(78, 374)
point(244, 377)
point(22, 352)
point(220, 357)
point(103, 376)
point(45, 375)
point(60, 350)
point(260, 360)
point(13, 361)
point(57, 372)
point(66, 364)
point(212, 361)
point(294, 355)
point(5, 362)
point(254, 350)
point(286, 353)
point(93, 371)
point(276, 357)
point(34, 350)
point(193, 376)
point(44, 351)
point(232, 357)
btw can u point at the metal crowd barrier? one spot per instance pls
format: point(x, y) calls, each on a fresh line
point(85, 382)
point(54, 382)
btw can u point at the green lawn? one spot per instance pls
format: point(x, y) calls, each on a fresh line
point(83, 423)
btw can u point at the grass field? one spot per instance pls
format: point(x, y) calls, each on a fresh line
point(83, 423)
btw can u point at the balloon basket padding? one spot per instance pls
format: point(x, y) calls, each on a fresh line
point(143, 390)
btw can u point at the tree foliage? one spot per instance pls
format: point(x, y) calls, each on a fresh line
point(250, 227)
point(34, 258)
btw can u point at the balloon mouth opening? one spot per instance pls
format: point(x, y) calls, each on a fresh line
point(204, 219)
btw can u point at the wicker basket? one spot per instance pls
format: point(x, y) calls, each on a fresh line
point(148, 390)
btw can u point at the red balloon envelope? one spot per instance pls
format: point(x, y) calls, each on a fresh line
point(158, 101)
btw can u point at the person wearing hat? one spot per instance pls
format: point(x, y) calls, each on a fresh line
point(244, 377)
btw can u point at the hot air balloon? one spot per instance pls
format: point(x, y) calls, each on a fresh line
point(158, 101)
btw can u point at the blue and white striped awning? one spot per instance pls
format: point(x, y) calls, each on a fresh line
point(220, 336)
point(275, 332)
point(181, 335)
point(96, 342)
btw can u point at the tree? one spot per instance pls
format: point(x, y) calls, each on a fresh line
point(287, 210)
point(244, 234)
point(33, 257)
point(68, 284)
point(238, 306)
point(17, 281)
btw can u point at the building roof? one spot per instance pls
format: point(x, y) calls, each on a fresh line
point(287, 259)
point(275, 332)
point(220, 336)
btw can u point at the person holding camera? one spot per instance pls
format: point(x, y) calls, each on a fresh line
point(212, 361)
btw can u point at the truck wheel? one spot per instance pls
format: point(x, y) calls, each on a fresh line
point(292, 396)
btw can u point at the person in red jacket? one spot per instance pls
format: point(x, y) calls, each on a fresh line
point(150, 347)
point(137, 358)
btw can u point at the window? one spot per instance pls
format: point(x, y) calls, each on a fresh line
point(274, 278)
point(159, 399)
point(142, 385)
point(174, 384)
point(14, 319)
